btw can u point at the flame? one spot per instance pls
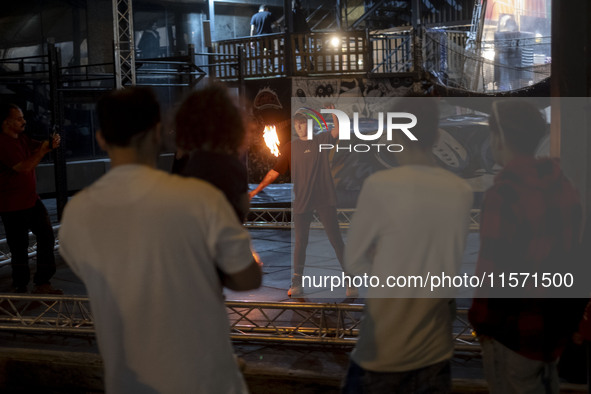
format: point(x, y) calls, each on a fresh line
point(271, 139)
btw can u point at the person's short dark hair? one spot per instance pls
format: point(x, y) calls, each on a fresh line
point(520, 123)
point(5, 110)
point(209, 119)
point(126, 113)
point(263, 7)
point(426, 109)
point(300, 118)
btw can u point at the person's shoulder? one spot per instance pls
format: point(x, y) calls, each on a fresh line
point(77, 204)
point(176, 183)
point(190, 194)
point(380, 177)
point(453, 178)
point(388, 174)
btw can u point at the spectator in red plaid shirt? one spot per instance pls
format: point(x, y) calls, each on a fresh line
point(530, 222)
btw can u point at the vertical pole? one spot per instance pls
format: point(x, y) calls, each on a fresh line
point(57, 108)
point(180, 29)
point(368, 61)
point(241, 69)
point(191, 58)
point(417, 40)
point(77, 36)
point(211, 17)
point(571, 87)
point(346, 13)
point(415, 14)
point(210, 49)
point(288, 54)
point(339, 14)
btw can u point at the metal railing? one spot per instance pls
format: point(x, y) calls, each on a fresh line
point(492, 66)
point(263, 56)
point(24, 67)
point(392, 52)
point(312, 53)
point(317, 54)
point(330, 53)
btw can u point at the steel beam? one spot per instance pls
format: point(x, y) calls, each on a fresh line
point(272, 322)
point(123, 34)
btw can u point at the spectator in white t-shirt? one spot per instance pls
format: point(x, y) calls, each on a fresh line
point(154, 251)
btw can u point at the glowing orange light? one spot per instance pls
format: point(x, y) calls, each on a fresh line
point(271, 139)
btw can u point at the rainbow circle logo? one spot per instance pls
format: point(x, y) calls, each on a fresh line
point(314, 115)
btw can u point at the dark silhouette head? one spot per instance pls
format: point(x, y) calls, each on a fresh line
point(518, 124)
point(209, 120)
point(127, 114)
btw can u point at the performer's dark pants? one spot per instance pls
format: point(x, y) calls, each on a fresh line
point(302, 221)
point(17, 225)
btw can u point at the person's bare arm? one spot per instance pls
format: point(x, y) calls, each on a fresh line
point(252, 34)
point(248, 279)
point(267, 180)
point(31, 162)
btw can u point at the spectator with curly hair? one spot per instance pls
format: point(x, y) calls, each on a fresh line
point(210, 137)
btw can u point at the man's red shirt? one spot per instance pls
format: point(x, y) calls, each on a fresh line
point(18, 190)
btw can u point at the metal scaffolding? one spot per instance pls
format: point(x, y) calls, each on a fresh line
point(124, 43)
point(275, 218)
point(269, 322)
point(281, 218)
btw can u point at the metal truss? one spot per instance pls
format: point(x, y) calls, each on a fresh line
point(336, 324)
point(474, 224)
point(316, 323)
point(281, 218)
point(5, 256)
point(270, 322)
point(269, 218)
point(258, 218)
point(46, 314)
point(124, 43)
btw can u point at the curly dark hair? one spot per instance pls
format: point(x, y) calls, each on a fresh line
point(208, 119)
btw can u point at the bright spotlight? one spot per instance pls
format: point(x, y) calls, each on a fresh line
point(335, 41)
